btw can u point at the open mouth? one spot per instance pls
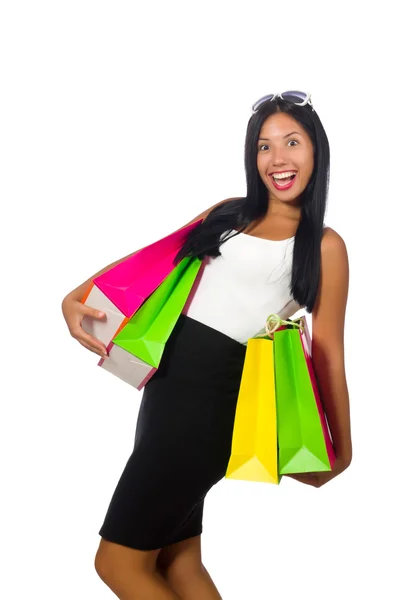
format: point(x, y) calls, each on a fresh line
point(284, 182)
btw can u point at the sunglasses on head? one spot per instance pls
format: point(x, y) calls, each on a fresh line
point(298, 98)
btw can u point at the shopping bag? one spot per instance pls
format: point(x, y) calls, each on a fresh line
point(120, 291)
point(136, 349)
point(254, 443)
point(302, 446)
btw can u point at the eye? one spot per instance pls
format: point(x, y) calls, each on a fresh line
point(263, 145)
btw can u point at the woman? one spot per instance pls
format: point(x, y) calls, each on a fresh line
point(268, 252)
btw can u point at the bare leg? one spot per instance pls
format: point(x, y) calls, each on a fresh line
point(131, 574)
point(181, 566)
point(143, 586)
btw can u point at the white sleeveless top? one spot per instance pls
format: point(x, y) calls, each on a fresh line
point(236, 292)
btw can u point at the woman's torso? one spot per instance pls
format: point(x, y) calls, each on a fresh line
point(236, 292)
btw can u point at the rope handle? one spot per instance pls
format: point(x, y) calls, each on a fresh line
point(273, 322)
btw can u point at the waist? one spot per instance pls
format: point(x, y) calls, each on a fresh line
point(202, 356)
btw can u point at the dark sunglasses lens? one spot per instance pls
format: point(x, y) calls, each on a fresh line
point(261, 101)
point(294, 96)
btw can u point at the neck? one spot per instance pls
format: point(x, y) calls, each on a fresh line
point(289, 212)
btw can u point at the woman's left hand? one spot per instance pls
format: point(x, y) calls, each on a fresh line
point(319, 479)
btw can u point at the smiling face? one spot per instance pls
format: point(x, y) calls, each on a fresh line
point(284, 146)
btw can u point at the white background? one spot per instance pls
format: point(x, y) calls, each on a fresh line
point(120, 122)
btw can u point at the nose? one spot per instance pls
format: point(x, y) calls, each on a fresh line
point(278, 156)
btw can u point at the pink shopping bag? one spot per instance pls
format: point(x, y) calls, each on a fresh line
point(122, 290)
point(129, 283)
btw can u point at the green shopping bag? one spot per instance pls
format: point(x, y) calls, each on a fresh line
point(301, 444)
point(148, 330)
point(137, 347)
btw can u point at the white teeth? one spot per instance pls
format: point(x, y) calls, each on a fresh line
point(283, 175)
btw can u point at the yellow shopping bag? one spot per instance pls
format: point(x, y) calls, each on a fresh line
point(254, 443)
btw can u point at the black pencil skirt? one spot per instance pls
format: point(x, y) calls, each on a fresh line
point(182, 441)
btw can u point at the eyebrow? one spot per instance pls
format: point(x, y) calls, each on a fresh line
point(285, 136)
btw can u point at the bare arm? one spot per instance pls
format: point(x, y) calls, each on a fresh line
point(78, 293)
point(328, 321)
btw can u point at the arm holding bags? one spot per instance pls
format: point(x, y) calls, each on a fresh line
point(328, 319)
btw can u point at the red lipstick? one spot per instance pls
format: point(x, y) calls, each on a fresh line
point(283, 187)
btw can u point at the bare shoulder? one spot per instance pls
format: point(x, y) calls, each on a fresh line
point(332, 241)
point(328, 317)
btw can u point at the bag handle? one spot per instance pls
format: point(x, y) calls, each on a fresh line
point(273, 322)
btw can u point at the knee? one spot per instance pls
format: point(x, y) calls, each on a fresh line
point(104, 560)
point(104, 566)
point(110, 562)
point(118, 577)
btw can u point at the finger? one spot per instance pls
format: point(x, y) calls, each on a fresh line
point(310, 482)
point(82, 336)
point(93, 349)
point(93, 312)
point(91, 342)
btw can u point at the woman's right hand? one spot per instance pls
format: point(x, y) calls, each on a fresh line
point(74, 312)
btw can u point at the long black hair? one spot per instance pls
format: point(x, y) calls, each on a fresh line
point(238, 213)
